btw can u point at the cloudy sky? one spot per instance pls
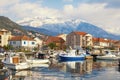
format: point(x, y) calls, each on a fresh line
point(103, 13)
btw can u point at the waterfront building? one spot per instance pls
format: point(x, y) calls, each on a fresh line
point(59, 42)
point(4, 36)
point(23, 42)
point(63, 36)
point(117, 45)
point(101, 43)
point(79, 39)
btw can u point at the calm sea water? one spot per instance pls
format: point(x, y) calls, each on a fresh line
point(82, 70)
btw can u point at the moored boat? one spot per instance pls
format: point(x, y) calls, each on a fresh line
point(16, 61)
point(39, 60)
point(71, 55)
point(108, 56)
point(88, 57)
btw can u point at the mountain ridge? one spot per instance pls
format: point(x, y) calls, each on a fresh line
point(69, 25)
point(6, 23)
point(53, 29)
point(16, 29)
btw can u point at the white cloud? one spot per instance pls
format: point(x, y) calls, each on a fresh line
point(26, 9)
point(98, 14)
point(69, 9)
point(7, 2)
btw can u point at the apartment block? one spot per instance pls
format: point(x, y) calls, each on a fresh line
point(79, 39)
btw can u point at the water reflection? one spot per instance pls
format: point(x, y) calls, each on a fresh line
point(119, 65)
point(81, 67)
point(84, 67)
point(82, 70)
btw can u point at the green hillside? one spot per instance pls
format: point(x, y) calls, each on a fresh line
point(6, 23)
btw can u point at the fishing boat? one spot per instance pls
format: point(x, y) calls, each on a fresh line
point(71, 55)
point(39, 59)
point(108, 56)
point(16, 61)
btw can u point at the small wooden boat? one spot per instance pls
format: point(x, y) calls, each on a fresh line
point(89, 57)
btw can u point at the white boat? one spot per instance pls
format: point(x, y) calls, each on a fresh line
point(39, 59)
point(16, 61)
point(108, 56)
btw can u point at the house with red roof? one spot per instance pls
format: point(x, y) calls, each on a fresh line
point(22, 42)
point(60, 43)
point(102, 43)
point(79, 39)
point(116, 44)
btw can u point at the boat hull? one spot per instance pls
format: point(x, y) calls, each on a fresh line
point(38, 61)
point(20, 66)
point(70, 58)
point(107, 58)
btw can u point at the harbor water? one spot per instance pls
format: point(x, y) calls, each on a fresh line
point(80, 70)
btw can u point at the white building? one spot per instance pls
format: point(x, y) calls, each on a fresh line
point(39, 42)
point(22, 42)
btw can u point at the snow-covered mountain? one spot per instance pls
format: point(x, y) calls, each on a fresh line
point(55, 26)
point(40, 21)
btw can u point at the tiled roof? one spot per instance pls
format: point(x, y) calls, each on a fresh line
point(80, 33)
point(54, 39)
point(101, 40)
point(18, 38)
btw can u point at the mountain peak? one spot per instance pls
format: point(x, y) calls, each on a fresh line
point(40, 21)
point(55, 26)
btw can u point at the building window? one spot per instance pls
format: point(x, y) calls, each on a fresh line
point(33, 43)
point(24, 42)
point(14, 42)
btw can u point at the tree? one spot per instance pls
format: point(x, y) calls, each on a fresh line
point(52, 45)
point(8, 47)
point(89, 48)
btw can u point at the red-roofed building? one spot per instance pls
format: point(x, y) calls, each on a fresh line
point(79, 39)
point(102, 43)
point(60, 43)
point(22, 42)
point(116, 44)
point(63, 36)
